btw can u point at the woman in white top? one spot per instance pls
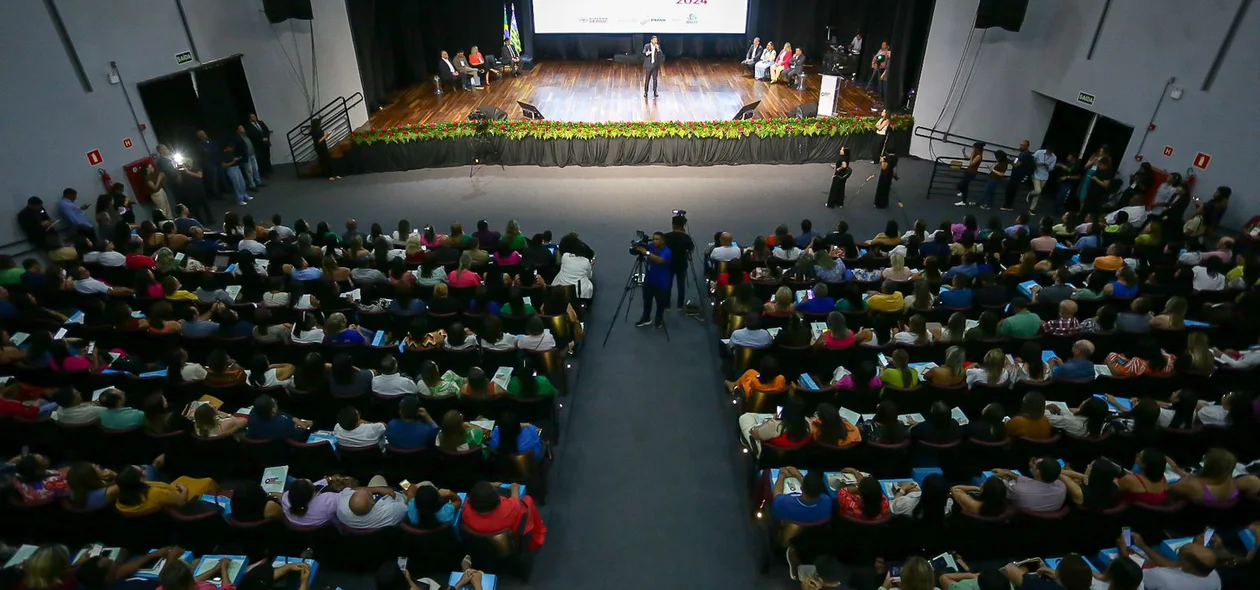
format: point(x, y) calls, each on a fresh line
point(955, 330)
point(576, 270)
point(992, 371)
point(430, 274)
point(459, 338)
point(494, 338)
point(307, 331)
point(897, 270)
point(762, 68)
point(1209, 276)
point(916, 333)
point(908, 496)
point(262, 373)
point(1087, 420)
point(1218, 415)
point(1180, 411)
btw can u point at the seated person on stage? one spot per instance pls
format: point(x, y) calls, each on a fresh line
point(762, 70)
point(796, 66)
point(812, 505)
point(511, 59)
point(446, 69)
point(470, 77)
point(478, 61)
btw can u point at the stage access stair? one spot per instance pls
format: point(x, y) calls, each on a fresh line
point(335, 117)
point(947, 169)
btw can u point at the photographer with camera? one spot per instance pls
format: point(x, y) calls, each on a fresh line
point(656, 279)
point(680, 246)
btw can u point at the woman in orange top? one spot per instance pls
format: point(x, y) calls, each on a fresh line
point(1148, 360)
point(1031, 421)
point(222, 370)
point(829, 428)
point(764, 378)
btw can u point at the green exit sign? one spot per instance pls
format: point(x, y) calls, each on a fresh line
point(183, 57)
point(1084, 98)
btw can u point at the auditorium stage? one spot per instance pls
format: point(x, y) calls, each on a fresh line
point(596, 116)
point(604, 91)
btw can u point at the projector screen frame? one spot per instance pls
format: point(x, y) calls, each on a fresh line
point(657, 25)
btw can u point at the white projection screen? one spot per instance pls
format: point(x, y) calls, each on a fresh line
point(641, 16)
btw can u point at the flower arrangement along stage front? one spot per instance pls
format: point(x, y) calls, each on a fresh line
point(522, 129)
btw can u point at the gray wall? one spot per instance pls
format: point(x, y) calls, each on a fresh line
point(50, 122)
point(1016, 77)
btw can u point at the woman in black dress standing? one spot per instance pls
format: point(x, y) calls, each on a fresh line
point(887, 170)
point(835, 198)
point(320, 139)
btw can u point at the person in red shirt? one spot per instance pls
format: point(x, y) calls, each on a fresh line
point(488, 513)
point(477, 60)
point(16, 400)
point(864, 501)
point(36, 481)
point(136, 258)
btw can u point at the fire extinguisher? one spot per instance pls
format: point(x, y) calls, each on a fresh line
point(106, 179)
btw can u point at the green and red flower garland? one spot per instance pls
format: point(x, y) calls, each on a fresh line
point(521, 129)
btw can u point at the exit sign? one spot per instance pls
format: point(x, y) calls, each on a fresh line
point(183, 57)
point(1084, 98)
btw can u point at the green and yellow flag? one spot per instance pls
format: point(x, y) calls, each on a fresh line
point(513, 34)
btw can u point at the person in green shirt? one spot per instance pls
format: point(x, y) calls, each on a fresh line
point(117, 416)
point(990, 579)
point(457, 435)
point(435, 384)
point(899, 374)
point(513, 237)
point(1021, 323)
point(527, 383)
point(10, 273)
point(517, 304)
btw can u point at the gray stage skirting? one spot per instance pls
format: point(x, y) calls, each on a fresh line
point(386, 157)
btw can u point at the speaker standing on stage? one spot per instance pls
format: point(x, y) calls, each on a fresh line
point(653, 57)
point(835, 197)
point(656, 280)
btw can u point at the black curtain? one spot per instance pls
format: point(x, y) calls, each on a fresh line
point(171, 104)
point(223, 96)
point(397, 42)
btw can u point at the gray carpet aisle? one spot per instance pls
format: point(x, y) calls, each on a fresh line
point(645, 490)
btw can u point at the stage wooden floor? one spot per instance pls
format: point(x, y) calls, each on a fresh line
point(690, 90)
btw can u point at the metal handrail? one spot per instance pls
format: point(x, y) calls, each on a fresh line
point(932, 134)
point(335, 118)
point(942, 163)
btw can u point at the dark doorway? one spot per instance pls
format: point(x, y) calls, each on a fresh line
point(1069, 124)
point(1075, 130)
point(1114, 134)
point(214, 96)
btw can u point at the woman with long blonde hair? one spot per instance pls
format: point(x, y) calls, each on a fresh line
point(783, 301)
point(48, 569)
point(897, 270)
point(992, 370)
point(1198, 357)
point(953, 372)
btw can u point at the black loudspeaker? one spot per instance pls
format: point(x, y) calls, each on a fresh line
point(278, 11)
point(808, 110)
point(492, 113)
point(1007, 14)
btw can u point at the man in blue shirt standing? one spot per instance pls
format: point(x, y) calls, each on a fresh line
point(657, 280)
point(74, 216)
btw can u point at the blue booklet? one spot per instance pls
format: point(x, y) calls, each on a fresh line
point(1046, 355)
point(323, 435)
point(1122, 404)
point(223, 502)
point(155, 568)
point(488, 581)
point(808, 382)
point(1053, 563)
point(1248, 539)
point(889, 486)
point(236, 568)
point(1026, 288)
point(151, 374)
point(379, 338)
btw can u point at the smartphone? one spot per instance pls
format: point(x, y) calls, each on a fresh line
point(1207, 536)
point(402, 563)
point(1128, 536)
point(404, 484)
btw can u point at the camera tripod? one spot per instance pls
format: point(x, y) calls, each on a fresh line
point(484, 149)
point(637, 275)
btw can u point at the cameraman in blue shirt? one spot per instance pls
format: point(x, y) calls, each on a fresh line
point(657, 280)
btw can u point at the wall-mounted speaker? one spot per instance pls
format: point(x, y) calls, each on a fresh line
point(278, 11)
point(1006, 14)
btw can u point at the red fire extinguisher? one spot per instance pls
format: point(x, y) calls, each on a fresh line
point(106, 179)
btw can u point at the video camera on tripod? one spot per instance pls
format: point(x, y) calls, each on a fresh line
point(641, 240)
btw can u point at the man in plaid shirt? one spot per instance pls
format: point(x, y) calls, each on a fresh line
point(1066, 324)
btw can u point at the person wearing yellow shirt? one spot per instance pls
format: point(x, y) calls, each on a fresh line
point(171, 288)
point(888, 299)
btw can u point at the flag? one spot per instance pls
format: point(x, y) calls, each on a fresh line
point(506, 34)
point(514, 34)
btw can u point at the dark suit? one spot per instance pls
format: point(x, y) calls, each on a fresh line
point(751, 56)
point(258, 132)
point(211, 171)
point(794, 68)
point(446, 70)
point(653, 57)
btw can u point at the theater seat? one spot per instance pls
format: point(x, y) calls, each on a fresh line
point(502, 553)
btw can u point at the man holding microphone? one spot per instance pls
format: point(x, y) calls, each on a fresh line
point(652, 59)
point(657, 280)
